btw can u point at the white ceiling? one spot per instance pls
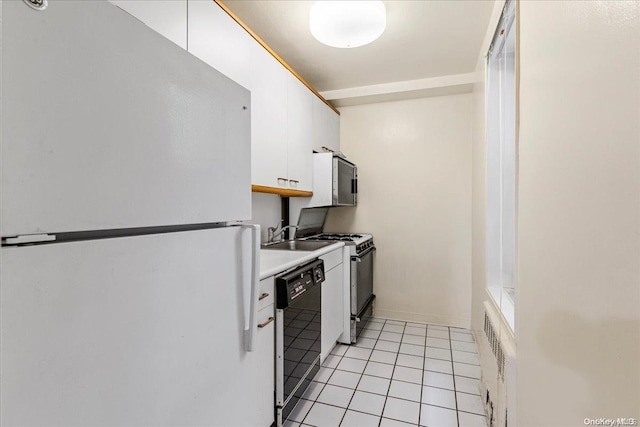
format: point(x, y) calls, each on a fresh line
point(424, 39)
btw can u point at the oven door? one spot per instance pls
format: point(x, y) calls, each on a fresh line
point(361, 280)
point(345, 183)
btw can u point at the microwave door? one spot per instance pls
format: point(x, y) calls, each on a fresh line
point(354, 186)
point(345, 183)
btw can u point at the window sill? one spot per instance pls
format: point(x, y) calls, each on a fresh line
point(504, 304)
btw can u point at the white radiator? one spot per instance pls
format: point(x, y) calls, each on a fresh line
point(498, 381)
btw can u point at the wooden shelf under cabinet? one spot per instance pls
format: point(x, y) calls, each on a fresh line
point(286, 192)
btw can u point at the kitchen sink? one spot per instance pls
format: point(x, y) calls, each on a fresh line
point(297, 245)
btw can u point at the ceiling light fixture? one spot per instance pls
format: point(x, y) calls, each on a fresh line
point(347, 24)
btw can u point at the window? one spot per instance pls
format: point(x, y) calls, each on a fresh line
point(501, 165)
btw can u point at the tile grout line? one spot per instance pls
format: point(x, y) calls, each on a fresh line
point(424, 356)
point(323, 387)
point(409, 354)
point(316, 398)
point(453, 377)
point(384, 405)
point(388, 388)
point(361, 375)
point(368, 360)
point(395, 397)
point(397, 354)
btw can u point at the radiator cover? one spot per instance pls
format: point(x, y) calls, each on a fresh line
point(498, 381)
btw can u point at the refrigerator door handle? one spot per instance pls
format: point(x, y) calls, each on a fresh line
point(250, 286)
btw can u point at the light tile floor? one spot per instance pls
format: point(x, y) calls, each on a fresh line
point(399, 374)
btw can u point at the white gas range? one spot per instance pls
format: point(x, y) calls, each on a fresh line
point(361, 250)
point(357, 243)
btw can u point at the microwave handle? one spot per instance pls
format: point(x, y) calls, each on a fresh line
point(354, 186)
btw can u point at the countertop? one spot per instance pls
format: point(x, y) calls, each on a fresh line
point(276, 261)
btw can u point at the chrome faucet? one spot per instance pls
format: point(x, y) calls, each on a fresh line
point(272, 232)
point(284, 228)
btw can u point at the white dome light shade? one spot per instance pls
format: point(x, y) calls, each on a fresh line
point(347, 23)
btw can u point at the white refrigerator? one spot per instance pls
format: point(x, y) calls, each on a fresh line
point(127, 294)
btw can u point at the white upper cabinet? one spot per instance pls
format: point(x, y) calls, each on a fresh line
point(219, 41)
point(299, 134)
point(269, 121)
point(333, 129)
point(288, 121)
point(326, 127)
point(167, 17)
point(319, 125)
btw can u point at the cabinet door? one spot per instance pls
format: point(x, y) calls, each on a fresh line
point(320, 132)
point(333, 129)
point(268, 120)
point(264, 365)
point(326, 127)
point(218, 40)
point(332, 309)
point(167, 17)
point(299, 135)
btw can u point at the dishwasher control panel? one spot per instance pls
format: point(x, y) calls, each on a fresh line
point(318, 273)
point(291, 285)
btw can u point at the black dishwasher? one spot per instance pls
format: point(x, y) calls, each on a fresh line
point(298, 319)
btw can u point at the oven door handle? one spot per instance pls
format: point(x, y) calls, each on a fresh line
point(358, 258)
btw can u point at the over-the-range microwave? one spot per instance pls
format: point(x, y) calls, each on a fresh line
point(345, 182)
point(335, 183)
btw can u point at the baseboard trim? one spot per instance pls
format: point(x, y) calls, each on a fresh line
point(434, 319)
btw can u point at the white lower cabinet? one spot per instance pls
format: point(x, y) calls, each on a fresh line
point(264, 369)
point(332, 301)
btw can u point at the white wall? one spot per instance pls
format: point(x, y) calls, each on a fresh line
point(578, 298)
point(265, 210)
point(578, 320)
point(414, 168)
point(479, 224)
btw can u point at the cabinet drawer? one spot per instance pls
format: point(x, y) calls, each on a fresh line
point(266, 293)
point(265, 318)
point(332, 259)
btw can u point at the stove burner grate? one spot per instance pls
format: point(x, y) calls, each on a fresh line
point(339, 237)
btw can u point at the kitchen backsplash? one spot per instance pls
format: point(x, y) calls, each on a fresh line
point(265, 211)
